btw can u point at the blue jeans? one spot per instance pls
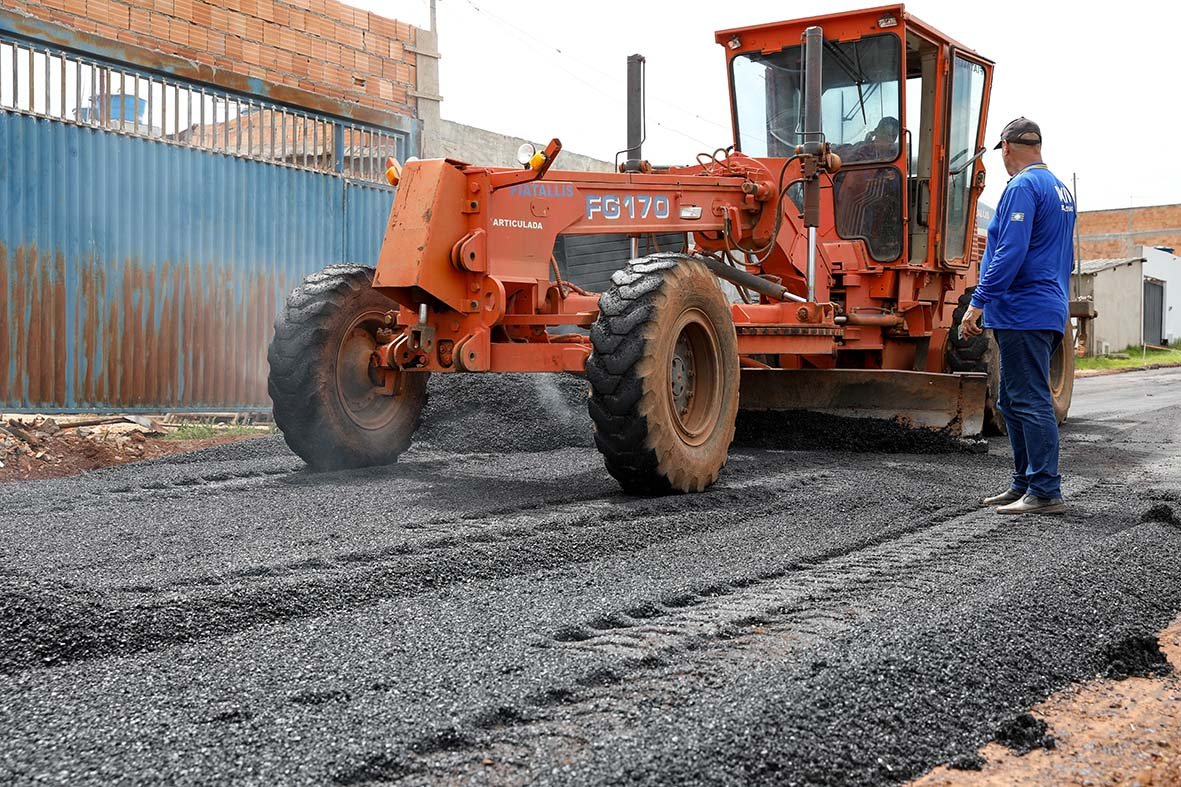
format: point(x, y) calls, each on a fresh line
point(1028, 407)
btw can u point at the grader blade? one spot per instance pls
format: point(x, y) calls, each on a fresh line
point(953, 403)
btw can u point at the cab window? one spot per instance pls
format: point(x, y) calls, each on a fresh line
point(860, 100)
point(869, 207)
point(967, 99)
point(860, 108)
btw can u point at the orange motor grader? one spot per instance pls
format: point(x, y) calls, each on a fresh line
point(826, 259)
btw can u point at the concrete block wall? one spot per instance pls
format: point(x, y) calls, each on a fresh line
point(321, 46)
point(1121, 232)
point(487, 148)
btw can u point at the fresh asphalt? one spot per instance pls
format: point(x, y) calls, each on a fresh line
point(493, 610)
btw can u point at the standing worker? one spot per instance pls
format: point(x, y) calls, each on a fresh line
point(1023, 297)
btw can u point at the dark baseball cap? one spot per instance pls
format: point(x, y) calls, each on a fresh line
point(1017, 133)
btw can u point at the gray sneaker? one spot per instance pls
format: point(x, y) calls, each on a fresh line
point(1010, 495)
point(1032, 504)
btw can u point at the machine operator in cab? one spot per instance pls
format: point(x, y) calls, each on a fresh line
point(1023, 296)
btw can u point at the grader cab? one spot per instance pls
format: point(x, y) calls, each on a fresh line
point(842, 219)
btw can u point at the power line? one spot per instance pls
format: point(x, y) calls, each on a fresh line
point(589, 66)
point(527, 37)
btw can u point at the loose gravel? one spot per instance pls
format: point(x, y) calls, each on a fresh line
point(505, 413)
point(1137, 656)
point(493, 610)
point(1024, 734)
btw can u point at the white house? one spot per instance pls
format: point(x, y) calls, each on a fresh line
point(1117, 288)
point(1162, 279)
point(1137, 300)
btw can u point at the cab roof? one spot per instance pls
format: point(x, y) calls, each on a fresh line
point(844, 25)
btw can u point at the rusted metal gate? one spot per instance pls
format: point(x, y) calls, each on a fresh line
point(150, 227)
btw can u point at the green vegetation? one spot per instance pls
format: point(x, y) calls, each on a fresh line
point(197, 431)
point(1136, 358)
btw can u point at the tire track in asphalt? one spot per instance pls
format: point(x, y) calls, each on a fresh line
point(55, 623)
point(782, 613)
point(818, 590)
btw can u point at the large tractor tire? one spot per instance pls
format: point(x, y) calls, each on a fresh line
point(1062, 373)
point(664, 376)
point(981, 354)
point(977, 354)
point(326, 401)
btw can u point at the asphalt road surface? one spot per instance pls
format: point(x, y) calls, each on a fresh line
point(836, 610)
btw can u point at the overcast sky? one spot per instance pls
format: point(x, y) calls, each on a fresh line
point(1101, 81)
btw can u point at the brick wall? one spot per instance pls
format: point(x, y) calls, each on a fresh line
point(1120, 233)
point(321, 46)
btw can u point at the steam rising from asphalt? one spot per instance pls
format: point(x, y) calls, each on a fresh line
point(551, 397)
point(508, 412)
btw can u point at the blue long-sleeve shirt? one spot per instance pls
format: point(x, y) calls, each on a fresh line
point(1025, 273)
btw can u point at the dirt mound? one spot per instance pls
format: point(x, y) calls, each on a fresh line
point(33, 448)
point(1024, 734)
point(1137, 656)
point(505, 413)
point(46, 447)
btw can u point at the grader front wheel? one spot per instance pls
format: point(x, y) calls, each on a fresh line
point(329, 404)
point(664, 376)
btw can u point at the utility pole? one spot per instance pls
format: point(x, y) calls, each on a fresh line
point(1078, 245)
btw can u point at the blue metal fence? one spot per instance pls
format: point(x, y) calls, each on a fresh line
point(366, 214)
point(142, 271)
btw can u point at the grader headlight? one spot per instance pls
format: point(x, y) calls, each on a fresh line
point(530, 157)
point(525, 154)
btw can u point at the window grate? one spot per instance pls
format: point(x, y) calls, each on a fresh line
point(46, 82)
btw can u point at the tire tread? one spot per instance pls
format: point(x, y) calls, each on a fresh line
point(299, 382)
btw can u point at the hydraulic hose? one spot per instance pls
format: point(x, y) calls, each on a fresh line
point(741, 278)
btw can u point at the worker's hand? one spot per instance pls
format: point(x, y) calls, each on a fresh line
point(970, 324)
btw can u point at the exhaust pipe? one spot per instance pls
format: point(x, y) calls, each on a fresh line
point(813, 143)
point(635, 126)
point(635, 112)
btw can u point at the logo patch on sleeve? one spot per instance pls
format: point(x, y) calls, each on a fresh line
point(1017, 217)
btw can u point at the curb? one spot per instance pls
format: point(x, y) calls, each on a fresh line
point(1121, 370)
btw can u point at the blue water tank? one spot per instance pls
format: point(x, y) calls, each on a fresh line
point(127, 108)
point(121, 107)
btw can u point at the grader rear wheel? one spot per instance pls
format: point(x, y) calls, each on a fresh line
point(327, 400)
point(664, 376)
point(980, 354)
point(976, 354)
point(1062, 373)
